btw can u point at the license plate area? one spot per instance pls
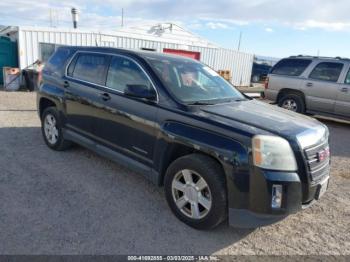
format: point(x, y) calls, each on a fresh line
point(322, 188)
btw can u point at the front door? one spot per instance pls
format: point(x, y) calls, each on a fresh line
point(321, 87)
point(127, 124)
point(342, 104)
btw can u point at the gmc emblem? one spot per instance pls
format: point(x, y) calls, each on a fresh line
point(323, 155)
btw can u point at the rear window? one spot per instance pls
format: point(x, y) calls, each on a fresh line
point(57, 61)
point(327, 71)
point(291, 67)
point(90, 68)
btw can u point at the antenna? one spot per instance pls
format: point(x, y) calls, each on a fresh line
point(239, 41)
point(57, 18)
point(50, 15)
point(122, 17)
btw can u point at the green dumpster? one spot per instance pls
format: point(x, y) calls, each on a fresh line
point(8, 55)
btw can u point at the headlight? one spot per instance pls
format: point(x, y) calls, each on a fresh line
point(273, 152)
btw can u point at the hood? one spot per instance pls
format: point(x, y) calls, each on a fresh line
point(270, 118)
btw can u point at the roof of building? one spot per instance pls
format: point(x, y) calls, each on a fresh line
point(163, 32)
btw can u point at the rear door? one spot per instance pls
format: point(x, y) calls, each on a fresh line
point(342, 104)
point(85, 74)
point(321, 86)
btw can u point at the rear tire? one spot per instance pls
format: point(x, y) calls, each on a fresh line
point(197, 184)
point(292, 102)
point(51, 128)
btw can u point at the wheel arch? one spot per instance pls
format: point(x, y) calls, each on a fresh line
point(175, 151)
point(44, 103)
point(180, 139)
point(285, 91)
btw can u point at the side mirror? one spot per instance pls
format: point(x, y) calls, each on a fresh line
point(140, 91)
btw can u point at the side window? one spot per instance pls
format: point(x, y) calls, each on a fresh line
point(347, 79)
point(123, 72)
point(327, 71)
point(57, 60)
point(46, 50)
point(90, 67)
point(291, 67)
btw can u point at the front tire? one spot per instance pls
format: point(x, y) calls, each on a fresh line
point(51, 128)
point(195, 189)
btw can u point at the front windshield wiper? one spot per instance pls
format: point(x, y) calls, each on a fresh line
point(232, 100)
point(217, 101)
point(200, 103)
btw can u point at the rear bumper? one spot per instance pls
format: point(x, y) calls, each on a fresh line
point(271, 94)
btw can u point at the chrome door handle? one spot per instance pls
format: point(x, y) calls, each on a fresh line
point(344, 89)
point(309, 84)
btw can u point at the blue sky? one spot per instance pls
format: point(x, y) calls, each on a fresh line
point(279, 41)
point(269, 27)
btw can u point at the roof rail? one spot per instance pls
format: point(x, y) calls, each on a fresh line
point(320, 57)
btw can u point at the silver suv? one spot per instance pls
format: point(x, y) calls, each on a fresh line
point(314, 85)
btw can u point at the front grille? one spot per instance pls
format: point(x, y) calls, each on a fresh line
point(317, 169)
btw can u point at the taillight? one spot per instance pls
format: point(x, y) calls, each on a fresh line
point(40, 77)
point(267, 82)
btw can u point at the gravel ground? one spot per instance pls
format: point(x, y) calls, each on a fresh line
point(76, 202)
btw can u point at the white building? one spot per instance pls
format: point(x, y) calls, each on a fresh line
point(39, 43)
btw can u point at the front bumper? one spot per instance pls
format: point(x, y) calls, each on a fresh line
point(256, 210)
point(242, 218)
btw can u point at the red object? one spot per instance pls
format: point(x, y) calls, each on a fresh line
point(266, 83)
point(190, 54)
point(324, 154)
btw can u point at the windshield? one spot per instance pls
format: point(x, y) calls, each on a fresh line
point(192, 82)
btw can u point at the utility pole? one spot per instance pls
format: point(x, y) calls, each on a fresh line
point(57, 18)
point(239, 41)
point(50, 17)
point(122, 17)
point(318, 52)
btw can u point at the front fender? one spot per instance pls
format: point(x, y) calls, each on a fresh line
point(232, 155)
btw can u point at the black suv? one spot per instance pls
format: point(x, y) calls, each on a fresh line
point(219, 154)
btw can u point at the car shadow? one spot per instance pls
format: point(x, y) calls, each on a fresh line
point(76, 202)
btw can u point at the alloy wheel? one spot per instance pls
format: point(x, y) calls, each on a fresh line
point(191, 194)
point(50, 128)
point(290, 104)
